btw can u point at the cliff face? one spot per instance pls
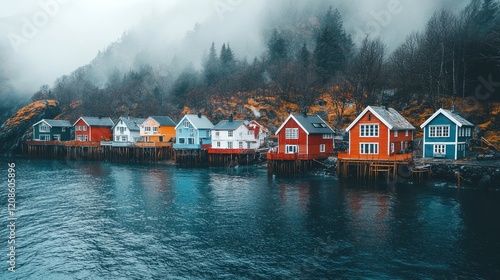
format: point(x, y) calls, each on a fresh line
point(18, 127)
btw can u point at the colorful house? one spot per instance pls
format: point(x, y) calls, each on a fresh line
point(193, 132)
point(158, 129)
point(446, 135)
point(304, 137)
point(52, 130)
point(235, 136)
point(127, 130)
point(379, 133)
point(93, 129)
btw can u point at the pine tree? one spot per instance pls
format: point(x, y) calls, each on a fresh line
point(278, 47)
point(211, 70)
point(333, 46)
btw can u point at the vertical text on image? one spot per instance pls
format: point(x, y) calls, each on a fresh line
point(11, 208)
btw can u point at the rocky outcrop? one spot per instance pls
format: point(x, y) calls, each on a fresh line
point(18, 128)
point(482, 175)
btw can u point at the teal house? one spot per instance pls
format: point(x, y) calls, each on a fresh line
point(52, 130)
point(446, 135)
point(193, 132)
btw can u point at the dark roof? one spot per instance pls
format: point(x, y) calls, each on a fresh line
point(163, 120)
point(227, 125)
point(98, 121)
point(312, 124)
point(131, 123)
point(55, 123)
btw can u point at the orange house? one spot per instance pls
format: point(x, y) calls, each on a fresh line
point(158, 129)
point(379, 133)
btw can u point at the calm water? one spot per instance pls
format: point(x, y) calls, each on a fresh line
point(110, 221)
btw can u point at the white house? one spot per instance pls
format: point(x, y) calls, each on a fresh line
point(126, 130)
point(236, 135)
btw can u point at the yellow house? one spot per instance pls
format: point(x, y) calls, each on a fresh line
point(158, 129)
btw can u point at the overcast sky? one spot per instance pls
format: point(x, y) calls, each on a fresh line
point(45, 39)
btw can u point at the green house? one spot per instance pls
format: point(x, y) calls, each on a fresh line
point(52, 130)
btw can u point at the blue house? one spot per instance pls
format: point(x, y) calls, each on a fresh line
point(192, 132)
point(446, 135)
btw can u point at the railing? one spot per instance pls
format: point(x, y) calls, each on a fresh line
point(231, 151)
point(281, 156)
point(154, 144)
point(43, 143)
point(392, 157)
point(82, 143)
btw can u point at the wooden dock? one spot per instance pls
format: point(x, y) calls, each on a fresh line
point(76, 150)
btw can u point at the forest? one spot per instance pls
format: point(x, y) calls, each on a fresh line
point(308, 64)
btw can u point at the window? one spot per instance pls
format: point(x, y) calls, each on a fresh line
point(392, 147)
point(328, 136)
point(186, 124)
point(439, 149)
point(182, 140)
point(63, 129)
point(368, 130)
point(190, 141)
point(229, 145)
point(191, 132)
point(322, 148)
point(179, 130)
point(155, 129)
point(57, 137)
point(240, 145)
point(44, 128)
point(368, 148)
point(395, 133)
point(318, 125)
point(117, 138)
point(248, 145)
point(84, 128)
point(439, 131)
point(147, 129)
point(83, 138)
point(469, 130)
point(217, 133)
point(292, 133)
point(407, 132)
point(218, 144)
point(230, 133)
point(44, 137)
point(291, 149)
point(125, 138)
point(208, 133)
point(122, 130)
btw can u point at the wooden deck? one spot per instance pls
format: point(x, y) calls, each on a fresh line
point(154, 144)
point(231, 151)
point(394, 157)
point(280, 156)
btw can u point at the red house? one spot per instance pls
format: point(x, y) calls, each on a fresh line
point(93, 129)
point(379, 133)
point(303, 137)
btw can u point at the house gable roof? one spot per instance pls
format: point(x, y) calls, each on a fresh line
point(198, 122)
point(229, 125)
point(390, 118)
point(131, 123)
point(311, 124)
point(55, 123)
point(96, 121)
point(455, 118)
point(163, 120)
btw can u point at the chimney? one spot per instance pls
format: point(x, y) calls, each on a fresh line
point(231, 118)
point(199, 115)
point(386, 106)
point(304, 112)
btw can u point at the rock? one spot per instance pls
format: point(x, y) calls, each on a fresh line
point(18, 128)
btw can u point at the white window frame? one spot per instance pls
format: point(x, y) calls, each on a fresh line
point(217, 144)
point(369, 148)
point(230, 133)
point(407, 132)
point(186, 124)
point(63, 129)
point(369, 130)
point(439, 131)
point(392, 147)
point(240, 145)
point(322, 148)
point(229, 145)
point(44, 137)
point(57, 137)
point(44, 128)
point(439, 149)
point(291, 133)
point(190, 141)
point(395, 133)
point(328, 136)
point(182, 140)
point(291, 149)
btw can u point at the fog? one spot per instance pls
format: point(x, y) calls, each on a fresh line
point(43, 40)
